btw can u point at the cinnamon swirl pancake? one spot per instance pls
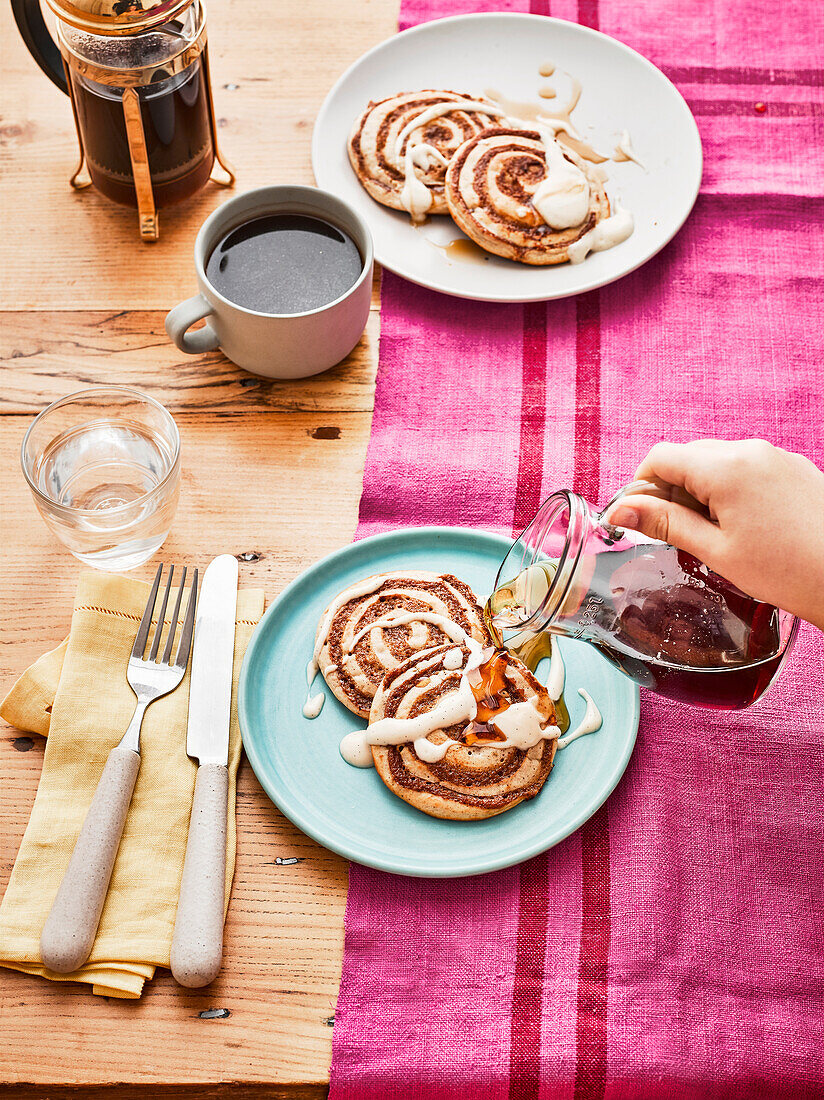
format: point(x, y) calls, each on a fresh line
point(375, 625)
point(492, 189)
point(469, 769)
point(400, 146)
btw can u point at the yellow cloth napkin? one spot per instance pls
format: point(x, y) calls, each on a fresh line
point(78, 695)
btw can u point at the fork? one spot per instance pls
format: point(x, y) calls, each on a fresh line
point(71, 926)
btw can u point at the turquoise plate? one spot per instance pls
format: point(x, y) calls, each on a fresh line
point(349, 809)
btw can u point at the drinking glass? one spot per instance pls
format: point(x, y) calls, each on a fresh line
point(103, 465)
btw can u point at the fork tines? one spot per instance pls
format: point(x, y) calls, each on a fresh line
point(185, 643)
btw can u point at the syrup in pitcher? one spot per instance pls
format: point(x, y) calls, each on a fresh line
point(656, 612)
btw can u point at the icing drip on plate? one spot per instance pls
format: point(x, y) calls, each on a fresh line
point(606, 234)
point(624, 151)
point(314, 703)
point(590, 723)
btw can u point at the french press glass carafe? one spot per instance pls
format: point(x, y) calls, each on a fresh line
point(137, 74)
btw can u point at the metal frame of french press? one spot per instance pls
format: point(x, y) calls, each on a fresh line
point(146, 208)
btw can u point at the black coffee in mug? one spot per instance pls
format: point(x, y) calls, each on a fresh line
point(284, 263)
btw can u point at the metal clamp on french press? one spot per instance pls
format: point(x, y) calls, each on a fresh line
point(137, 74)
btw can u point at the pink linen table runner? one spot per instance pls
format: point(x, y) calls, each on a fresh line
point(673, 947)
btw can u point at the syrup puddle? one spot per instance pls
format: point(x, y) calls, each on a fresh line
point(463, 250)
point(458, 249)
point(531, 112)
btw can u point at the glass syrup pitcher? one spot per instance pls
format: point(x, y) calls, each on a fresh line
point(656, 612)
point(137, 74)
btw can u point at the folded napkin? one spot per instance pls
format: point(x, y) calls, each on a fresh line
point(78, 696)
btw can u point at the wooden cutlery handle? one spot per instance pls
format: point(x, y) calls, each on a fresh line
point(70, 928)
point(197, 947)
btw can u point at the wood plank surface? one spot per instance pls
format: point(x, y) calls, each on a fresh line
point(272, 468)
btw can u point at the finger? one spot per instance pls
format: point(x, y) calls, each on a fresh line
point(689, 465)
point(672, 523)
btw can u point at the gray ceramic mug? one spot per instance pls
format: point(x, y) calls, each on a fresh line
point(275, 345)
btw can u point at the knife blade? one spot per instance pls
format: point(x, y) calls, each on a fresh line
point(210, 689)
point(197, 945)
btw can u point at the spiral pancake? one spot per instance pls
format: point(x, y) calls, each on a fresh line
point(378, 147)
point(471, 781)
point(354, 659)
point(490, 183)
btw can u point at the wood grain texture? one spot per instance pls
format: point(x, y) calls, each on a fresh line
point(272, 65)
point(46, 355)
point(269, 468)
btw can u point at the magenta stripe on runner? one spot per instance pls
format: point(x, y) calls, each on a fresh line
point(730, 76)
point(530, 959)
point(533, 416)
point(527, 992)
point(593, 966)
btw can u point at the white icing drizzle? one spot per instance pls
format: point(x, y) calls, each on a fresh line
point(418, 636)
point(401, 618)
point(557, 673)
point(416, 197)
point(590, 723)
point(314, 705)
point(624, 147)
point(451, 709)
point(521, 726)
point(426, 156)
point(362, 588)
point(606, 234)
point(452, 660)
point(431, 753)
point(520, 723)
point(355, 750)
point(562, 198)
point(445, 108)
point(558, 125)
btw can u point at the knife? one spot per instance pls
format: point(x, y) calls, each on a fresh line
point(197, 946)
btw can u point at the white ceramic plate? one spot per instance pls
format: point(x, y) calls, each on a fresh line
point(504, 50)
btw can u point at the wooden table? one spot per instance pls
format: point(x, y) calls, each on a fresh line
point(272, 468)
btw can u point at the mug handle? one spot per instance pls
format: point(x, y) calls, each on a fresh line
point(182, 317)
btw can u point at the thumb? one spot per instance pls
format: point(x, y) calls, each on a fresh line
point(672, 523)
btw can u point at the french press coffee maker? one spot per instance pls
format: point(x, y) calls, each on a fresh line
point(137, 74)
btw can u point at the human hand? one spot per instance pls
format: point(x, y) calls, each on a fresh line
point(766, 527)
